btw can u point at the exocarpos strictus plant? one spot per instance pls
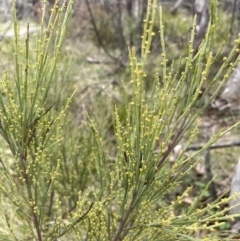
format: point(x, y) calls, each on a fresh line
point(122, 198)
point(32, 131)
point(130, 197)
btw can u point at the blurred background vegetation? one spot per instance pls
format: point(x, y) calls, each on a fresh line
point(95, 61)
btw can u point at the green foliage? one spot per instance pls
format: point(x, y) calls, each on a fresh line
point(32, 130)
point(106, 178)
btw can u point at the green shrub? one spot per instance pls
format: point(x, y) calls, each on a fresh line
point(32, 131)
point(64, 180)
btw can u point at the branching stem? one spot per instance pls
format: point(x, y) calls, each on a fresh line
point(125, 219)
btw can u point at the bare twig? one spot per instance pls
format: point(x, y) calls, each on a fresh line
point(97, 61)
point(177, 4)
point(93, 22)
point(196, 147)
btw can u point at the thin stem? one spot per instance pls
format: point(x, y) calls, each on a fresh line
point(36, 224)
point(35, 218)
point(125, 219)
point(97, 32)
point(30, 198)
point(172, 145)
